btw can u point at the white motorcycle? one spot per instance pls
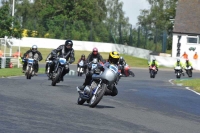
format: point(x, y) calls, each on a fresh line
point(178, 70)
point(80, 69)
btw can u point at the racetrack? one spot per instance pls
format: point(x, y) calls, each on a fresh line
point(143, 105)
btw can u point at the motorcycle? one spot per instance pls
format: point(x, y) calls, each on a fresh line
point(153, 71)
point(126, 71)
point(80, 69)
point(61, 64)
point(178, 71)
point(30, 68)
point(188, 70)
point(49, 63)
point(100, 82)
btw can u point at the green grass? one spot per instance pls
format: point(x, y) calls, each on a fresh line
point(192, 83)
point(15, 72)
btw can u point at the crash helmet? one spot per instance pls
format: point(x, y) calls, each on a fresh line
point(68, 44)
point(95, 51)
point(113, 57)
point(34, 48)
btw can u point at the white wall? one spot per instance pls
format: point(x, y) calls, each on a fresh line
point(184, 46)
point(170, 61)
point(82, 45)
point(108, 47)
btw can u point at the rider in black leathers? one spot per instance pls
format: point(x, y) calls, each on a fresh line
point(121, 64)
point(93, 55)
point(66, 50)
point(113, 59)
point(34, 54)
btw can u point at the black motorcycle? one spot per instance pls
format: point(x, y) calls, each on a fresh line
point(188, 70)
point(61, 64)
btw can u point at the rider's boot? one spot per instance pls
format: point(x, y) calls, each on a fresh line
point(81, 88)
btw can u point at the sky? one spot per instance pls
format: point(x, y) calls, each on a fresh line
point(132, 9)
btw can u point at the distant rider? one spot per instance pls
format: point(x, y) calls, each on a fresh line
point(94, 54)
point(153, 63)
point(65, 50)
point(113, 59)
point(188, 63)
point(179, 63)
point(84, 62)
point(34, 54)
point(121, 64)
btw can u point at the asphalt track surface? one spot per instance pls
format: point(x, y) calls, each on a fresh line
point(143, 105)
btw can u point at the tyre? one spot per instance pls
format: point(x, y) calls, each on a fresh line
point(178, 75)
point(78, 73)
point(29, 73)
point(80, 101)
point(131, 73)
point(56, 77)
point(97, 98)
point(189, 73)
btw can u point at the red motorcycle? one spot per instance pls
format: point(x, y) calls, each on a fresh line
point(125, 71)
point(153, 71)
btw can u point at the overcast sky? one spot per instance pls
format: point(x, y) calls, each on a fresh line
point(132, 9)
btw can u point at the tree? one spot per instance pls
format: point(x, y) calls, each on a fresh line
point(157, 18)
point(8, 25)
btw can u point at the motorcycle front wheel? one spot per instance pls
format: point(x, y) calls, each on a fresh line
point(56, 77)
point(80, 101)
point(28, 73)
point(97, 98)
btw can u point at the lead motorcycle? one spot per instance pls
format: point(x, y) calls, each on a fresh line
point(30, 72)
point(101, 80)
point(61, 64)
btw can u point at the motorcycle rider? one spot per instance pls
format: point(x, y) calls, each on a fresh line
point(153, 63)
point(84, 61)
point(178, 63)
point(188, 63)
point(94, 54)
point(122, 63)
point(34, 54)
point(113, 59)
point(65, 50)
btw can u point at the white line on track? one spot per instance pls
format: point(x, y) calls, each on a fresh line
point(187, 88)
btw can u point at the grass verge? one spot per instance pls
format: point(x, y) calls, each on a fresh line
point(192, 83)
point(6, 72)
point(131, 61)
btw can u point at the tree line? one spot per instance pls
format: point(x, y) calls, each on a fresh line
point(86, 20)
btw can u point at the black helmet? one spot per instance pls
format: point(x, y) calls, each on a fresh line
point(68, 44)
point(34, 48)
point(82, 55)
